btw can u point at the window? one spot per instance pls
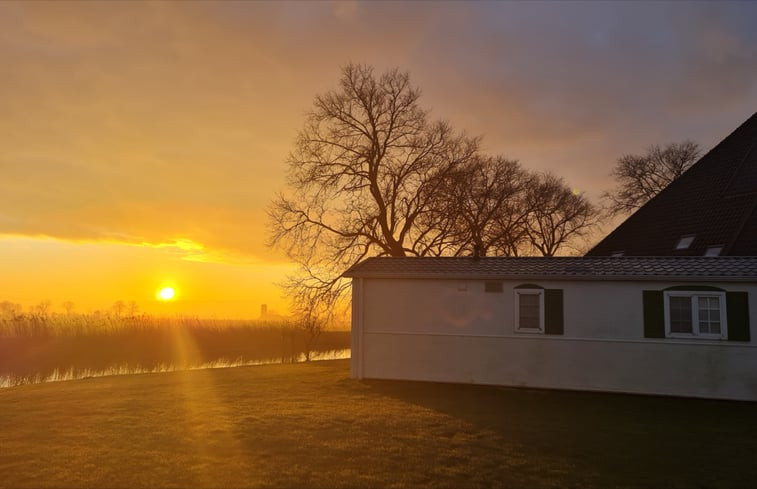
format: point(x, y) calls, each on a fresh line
point(698, 310)
point(616, 254)
point(685, 242)
point(713, 250)
point(529, 316)
point(695, 314)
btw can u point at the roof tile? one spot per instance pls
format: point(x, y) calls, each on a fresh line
point(740, 269)
point(714, 200)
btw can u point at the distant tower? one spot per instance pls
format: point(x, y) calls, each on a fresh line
point(263, 310)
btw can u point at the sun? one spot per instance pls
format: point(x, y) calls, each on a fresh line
point(166, 294)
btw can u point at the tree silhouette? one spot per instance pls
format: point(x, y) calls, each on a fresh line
point(132, 308)
point(118, 308)
point(557, 214)
point(641, 177)
point(69, 307)
point(372, 175)
point(41, 309)
point(484, 206)
point(364, 177)
point(10, 309)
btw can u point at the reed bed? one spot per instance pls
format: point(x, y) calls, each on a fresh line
point(62, 347)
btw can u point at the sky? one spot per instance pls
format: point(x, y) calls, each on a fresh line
point(140, 142)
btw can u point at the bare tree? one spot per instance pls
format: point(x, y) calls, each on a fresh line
point(69, 307)
point(483, 205)
point(132, 308)
point(42, 309)
point(118, 308)
point(364, 176)
point(641, 177)
point(311, 318)
point(558, 216)
point(372, 175)
point(10, 309)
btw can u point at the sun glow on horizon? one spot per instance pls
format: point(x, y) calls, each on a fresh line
point(166, 294)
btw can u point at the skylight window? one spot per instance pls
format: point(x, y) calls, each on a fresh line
point(713, 250)
point(685, 242)
point(617, 253)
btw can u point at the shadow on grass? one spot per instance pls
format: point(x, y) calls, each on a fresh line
point(627, 440)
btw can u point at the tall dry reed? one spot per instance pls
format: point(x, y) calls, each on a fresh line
point(40, 345)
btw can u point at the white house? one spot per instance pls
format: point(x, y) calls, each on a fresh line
point(651, 325)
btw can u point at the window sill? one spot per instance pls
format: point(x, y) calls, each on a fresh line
point(688, 336)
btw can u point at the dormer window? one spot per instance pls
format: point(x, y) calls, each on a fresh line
point(685, 242)
point(713, 250)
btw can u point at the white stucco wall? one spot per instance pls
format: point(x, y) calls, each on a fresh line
point(453, 331)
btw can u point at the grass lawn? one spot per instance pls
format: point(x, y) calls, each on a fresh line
point(309, 425)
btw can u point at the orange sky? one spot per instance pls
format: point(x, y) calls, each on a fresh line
point(141, 141)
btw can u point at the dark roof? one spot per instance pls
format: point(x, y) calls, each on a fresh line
point(715, 200)
point(692, 268)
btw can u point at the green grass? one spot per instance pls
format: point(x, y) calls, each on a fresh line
point(309, 425)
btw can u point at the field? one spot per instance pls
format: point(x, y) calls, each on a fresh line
point(59, 347)
point(309, 425)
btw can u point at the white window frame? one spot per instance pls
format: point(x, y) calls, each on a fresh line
point(685, 241)
point(540, 293)
point(695, 295)
point(711, 250)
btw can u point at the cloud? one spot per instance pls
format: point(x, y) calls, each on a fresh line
point(165, 121)
point(346, 9)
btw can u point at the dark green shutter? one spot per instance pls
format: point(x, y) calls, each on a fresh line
point(654, 314)
point(553, 311)
point(737, 310)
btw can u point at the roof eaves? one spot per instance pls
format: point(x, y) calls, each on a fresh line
point(554, 277)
